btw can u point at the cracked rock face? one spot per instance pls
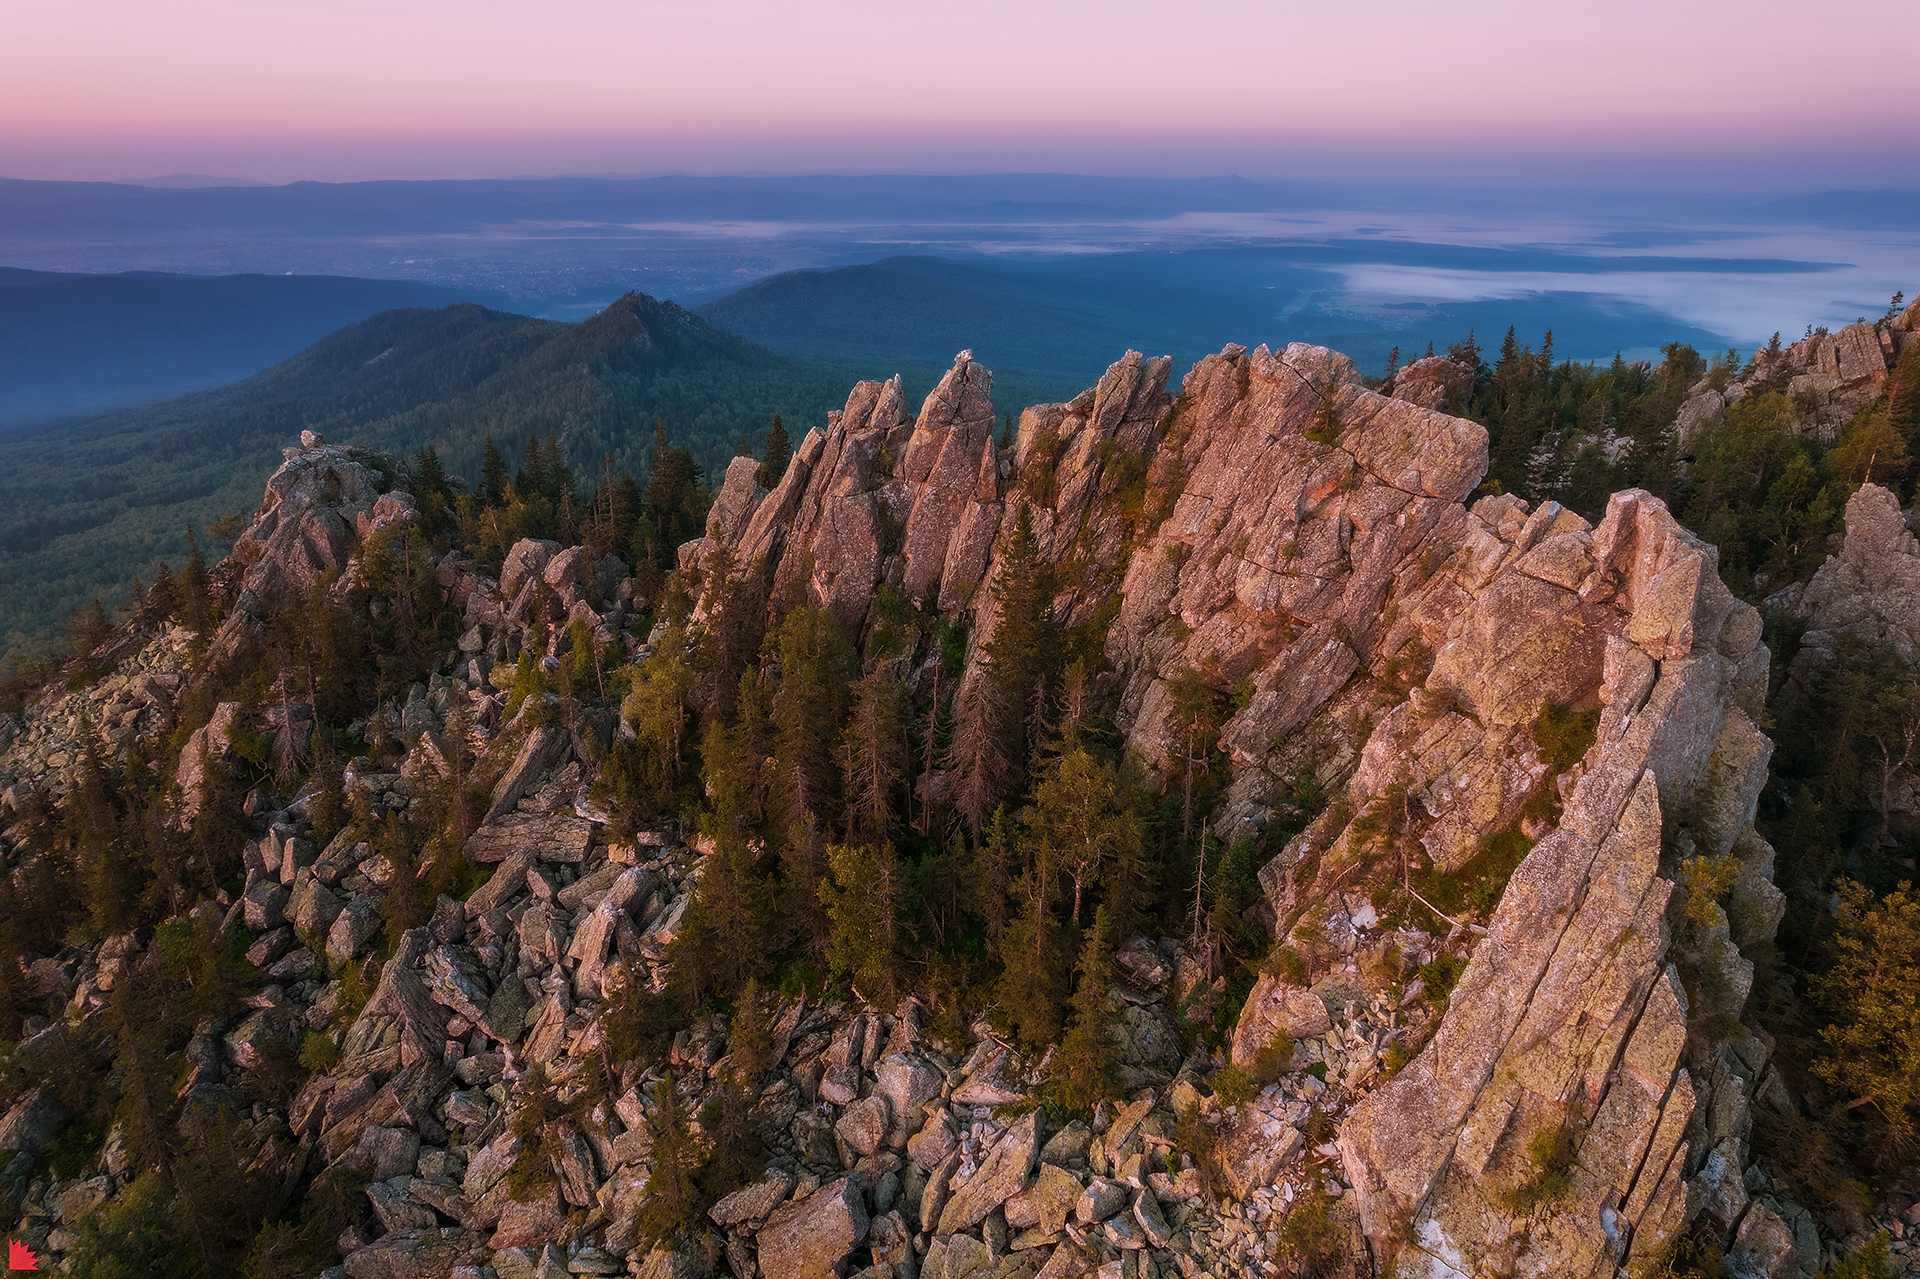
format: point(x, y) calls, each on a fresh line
point(1568, 1019)
point(1293, 531)
point(1869, 593)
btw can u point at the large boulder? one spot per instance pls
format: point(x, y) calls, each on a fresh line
point(422, 1253)
point(1869, 593)
point(1434, 382)
point(32, 1124)
point(1000, 1176)
point(908, 1082)
point(809, 1238)
point(309, 522)
point(1275, 1008)
point(545, 747)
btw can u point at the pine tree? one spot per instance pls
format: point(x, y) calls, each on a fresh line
point(735, 1155)
point(1196, 711)
point(327, 810)
point(89, 631)
point(464, 795)
point(162, 599)
point(1033, 982)
point(631, 504)
point(1871, 1050)
point(779, 452)
point(92, 821)
point(656, 708)
point(1078, 821)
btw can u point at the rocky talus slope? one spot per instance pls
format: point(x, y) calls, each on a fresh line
point(1467, 682)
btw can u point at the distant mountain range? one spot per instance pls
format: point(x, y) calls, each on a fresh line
point(1048, 326)
point(85, 507)
point(73, 344)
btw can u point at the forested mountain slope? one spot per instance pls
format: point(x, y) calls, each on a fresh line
point(79, 344)
point(85, 508)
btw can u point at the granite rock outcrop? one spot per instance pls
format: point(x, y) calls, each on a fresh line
point(1457, 675)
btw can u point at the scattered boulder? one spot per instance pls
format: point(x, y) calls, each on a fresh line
point(1000, 1176)
point(809, 1238)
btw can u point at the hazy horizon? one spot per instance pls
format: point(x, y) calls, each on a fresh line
point(1665, 95)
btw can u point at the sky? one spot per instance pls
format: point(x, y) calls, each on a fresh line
point(1671, 92)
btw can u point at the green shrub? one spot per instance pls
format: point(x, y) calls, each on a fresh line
point(1868, 1261)
point(1232, 1086)
point(1311, 1238)
point(1441, 976)
point(1267, 1064)
point(318, 1052)
point(1551, 1151)
point(1564, 736)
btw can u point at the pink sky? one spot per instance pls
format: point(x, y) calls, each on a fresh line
point(353, 89)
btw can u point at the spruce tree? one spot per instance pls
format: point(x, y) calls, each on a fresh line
point(750, 1035)
point(728, 934)
point(1033, 982)
point(873, 756)
point(1023, 649)
point(863, 902)
point(197, 590)
point(976, 755)
point(735, 604)
point(531, 479)
point(670, 1203)
point(493, 476)
point(559, 476)
point(779, 452)
point(991, 876)
point(428, 476)
point(1082, 1068)
point(816, 664)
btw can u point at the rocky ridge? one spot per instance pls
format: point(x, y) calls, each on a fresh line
point(1404, 646)
point(1829, 376)
point(1276, 523)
